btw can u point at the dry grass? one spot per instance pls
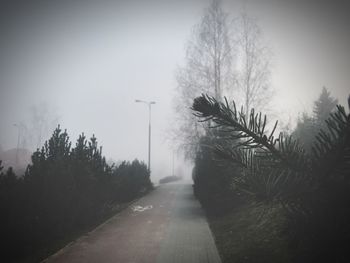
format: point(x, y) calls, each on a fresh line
point(244, 235)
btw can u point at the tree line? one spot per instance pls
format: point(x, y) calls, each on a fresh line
point(67, 189)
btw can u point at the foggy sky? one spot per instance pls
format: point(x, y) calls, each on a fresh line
point(90, 60)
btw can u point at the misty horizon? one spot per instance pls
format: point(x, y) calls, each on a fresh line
point(88, 63)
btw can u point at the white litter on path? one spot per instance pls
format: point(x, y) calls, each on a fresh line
point(138, 208)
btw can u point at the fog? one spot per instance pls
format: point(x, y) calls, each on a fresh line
point(89, 61)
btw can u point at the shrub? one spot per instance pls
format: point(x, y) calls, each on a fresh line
point(132, 179)
point(169, 179)
point(64, 191)
point(212, 177)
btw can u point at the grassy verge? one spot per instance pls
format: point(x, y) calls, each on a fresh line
point(250, 233)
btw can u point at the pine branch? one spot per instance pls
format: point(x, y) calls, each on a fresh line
point(251, 132)
point(278, 168)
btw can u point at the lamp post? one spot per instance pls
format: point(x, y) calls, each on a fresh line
point(18, 138)
point(149, 103)
point(173, 163)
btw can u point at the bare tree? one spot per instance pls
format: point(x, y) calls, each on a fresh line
point(42, 122)
point(207, 70)
point(253, 65)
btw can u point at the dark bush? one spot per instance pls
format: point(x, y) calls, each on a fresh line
point(169, 179)
point(212, 177)
point(64, 191)
point(131, 179)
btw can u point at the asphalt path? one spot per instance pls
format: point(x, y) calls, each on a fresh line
point(166, 226)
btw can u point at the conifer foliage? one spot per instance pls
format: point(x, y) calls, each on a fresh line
point(309, 126)
point(64, 191)
point(312, 187)
point(323, 107)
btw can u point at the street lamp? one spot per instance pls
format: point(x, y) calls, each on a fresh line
point(18, 138)
point(149, 103)
point(173, 162)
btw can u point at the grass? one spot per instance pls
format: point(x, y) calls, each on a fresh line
point(250, 233)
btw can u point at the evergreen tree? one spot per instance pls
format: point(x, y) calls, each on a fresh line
point(305, 131)
point(313, 189)
point(323, 107)
point(309, 126)
point(64, 190)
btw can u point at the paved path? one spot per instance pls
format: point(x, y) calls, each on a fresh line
point(171, 229)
